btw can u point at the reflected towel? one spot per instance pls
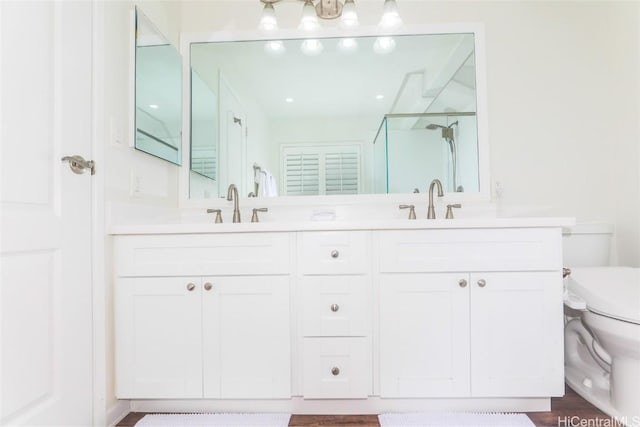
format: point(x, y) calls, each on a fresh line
point(268, 186)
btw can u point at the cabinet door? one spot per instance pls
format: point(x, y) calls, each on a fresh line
point(424, 335)
point(516, 334)
point(246, 337)
point(158, 338)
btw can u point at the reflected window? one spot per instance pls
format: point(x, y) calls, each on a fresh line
point(321, 169)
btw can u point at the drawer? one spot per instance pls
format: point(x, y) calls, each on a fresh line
point(515, 249)
point(336, 368)
point(335, 305)
point(334, 252)
point(203, 254)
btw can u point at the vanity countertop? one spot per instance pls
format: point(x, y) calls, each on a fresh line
point(182, 227)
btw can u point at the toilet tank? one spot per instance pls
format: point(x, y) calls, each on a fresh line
point(587, 245)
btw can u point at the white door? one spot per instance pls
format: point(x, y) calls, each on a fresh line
point(46, 290)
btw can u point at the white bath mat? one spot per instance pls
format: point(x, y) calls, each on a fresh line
point(214, 420)
point(439, 419)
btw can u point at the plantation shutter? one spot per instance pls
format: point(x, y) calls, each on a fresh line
point(341, 172)
point(302, 174)
point(321, 169)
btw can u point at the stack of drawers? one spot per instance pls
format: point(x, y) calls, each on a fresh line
point(335, 289)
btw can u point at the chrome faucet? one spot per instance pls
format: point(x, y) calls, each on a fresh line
point(232, 194)
point(431, 211)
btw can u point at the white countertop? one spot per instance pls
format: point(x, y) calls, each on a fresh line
point(182, 227)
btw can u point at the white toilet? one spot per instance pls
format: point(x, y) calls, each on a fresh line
point(602, 332)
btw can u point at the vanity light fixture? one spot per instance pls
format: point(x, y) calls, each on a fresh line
point(349, 15)
point(390, 16)
point(309, 21)
point(328, 9)
point(268, 21)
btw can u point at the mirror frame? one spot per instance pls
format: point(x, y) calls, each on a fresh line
point(477, 29)
point(136, 13)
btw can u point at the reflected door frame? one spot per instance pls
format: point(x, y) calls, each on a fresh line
point(233, 141)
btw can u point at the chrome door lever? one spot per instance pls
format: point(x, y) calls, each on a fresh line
point(78, 164)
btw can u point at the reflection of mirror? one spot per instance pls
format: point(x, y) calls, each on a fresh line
point(158, 93)
point(204, 139)
point(312, 120)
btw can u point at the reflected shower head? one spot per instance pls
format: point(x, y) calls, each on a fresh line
point(433, 126)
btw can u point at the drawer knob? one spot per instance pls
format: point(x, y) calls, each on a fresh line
point(191, 287)
point(462, 283)
point(208, 286)
point(335, 307)
point(335, 370)
point(482, 283)
point(335, 254)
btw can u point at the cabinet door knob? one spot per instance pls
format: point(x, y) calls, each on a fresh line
point(462, 283)
point(335, 254)
point(335, 370)
point(335, 307)
point(208, 286)
point(191, 287)
point(482, 283)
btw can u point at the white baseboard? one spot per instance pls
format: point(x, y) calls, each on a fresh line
point(117, 412)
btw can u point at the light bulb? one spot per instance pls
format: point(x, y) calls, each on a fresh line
point(384, 45)
point(274, 47)
point(311, 47)
point(309, 21)
point(268, 20)
point(349, 15)
point(390, 16)
point(347, 45)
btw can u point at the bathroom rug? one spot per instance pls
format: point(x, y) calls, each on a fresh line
point(214, 420)
point(458, 419)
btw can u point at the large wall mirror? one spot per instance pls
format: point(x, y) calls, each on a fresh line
point(335, 116)
point(158, 93)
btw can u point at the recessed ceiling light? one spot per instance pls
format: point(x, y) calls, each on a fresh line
point(289, 99)
point(154, 106)
point(379, 96)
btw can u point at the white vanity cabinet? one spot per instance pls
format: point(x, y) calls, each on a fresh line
point(335, 291)
point(203, 316)
point(340, 318)
point(470, 313)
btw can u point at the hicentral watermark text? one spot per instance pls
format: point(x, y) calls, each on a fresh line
point(577, 421)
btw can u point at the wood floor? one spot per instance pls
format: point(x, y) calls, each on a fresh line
point(565, 411)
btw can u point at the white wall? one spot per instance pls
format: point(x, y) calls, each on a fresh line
point(158, 186)
point(563, 96)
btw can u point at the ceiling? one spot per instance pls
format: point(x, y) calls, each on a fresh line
point(346, 84)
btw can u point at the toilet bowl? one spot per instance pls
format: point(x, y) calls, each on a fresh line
point(602, 339)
